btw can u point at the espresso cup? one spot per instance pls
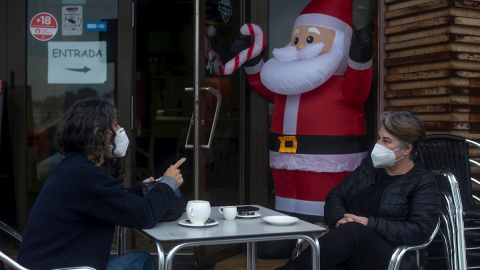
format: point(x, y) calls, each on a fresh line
point(228, 212)
point(198, 212)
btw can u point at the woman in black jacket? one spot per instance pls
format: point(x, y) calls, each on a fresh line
point(389, 200)
point(74, 216)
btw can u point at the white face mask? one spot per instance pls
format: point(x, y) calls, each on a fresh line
point(121, 141)
point(383, 157)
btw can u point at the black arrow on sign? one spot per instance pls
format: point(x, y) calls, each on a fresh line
point(84, 69)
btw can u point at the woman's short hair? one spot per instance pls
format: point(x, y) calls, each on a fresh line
point(406, 127)
point(83, 129)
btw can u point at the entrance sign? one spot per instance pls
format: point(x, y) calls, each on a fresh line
point(77, 62)
point(43, 26)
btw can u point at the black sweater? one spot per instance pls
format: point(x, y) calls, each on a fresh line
point(73, 219)
point(409, 208)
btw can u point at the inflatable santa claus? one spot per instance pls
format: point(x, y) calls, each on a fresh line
point(318, 84)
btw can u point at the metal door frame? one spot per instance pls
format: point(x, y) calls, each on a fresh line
point(197, 152)
point(15, 73)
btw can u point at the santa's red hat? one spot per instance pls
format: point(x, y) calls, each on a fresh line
point(333, 14)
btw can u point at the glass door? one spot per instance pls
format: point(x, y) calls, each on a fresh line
point(184, 106)
point(72, 52)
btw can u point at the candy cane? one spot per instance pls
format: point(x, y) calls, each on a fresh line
point(210, 54)
point(248, 29)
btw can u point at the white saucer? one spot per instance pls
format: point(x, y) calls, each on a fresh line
point(249, 216)
point(280, 220)
point(187, 223)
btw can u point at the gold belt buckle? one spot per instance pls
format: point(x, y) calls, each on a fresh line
point(288, 144)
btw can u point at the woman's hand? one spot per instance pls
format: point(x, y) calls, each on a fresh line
point(354, 218)
point(343, 221)
point(174, 172)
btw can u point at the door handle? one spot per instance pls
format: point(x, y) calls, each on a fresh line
point(217, 94)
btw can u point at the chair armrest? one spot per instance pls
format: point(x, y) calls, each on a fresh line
point(13, 264)
point(401, 250)
point(76, 268)
point(10, 231)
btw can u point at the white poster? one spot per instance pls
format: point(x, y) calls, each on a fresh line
point(72, 20)
point(77, 62)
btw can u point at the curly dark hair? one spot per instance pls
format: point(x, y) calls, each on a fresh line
point(83, 129)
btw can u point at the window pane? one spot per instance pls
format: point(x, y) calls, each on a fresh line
point(71, 54)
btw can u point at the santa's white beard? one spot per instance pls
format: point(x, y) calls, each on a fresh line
point(290, 53)
point(293, 72)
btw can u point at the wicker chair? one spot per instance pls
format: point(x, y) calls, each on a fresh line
point(16, 266)
point(448, 153)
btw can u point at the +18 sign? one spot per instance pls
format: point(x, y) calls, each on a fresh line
point(77, 62)
point(43, 26)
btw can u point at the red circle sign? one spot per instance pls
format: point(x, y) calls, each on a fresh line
point(43, 26)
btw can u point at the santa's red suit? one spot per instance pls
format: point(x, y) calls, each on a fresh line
point(318, 136)
point(327, 143)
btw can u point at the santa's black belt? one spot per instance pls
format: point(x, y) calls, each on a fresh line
point(317, 144)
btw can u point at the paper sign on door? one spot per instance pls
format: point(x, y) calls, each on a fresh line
point(72, 20)
point(77, 62)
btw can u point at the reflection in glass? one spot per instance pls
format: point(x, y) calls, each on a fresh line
point(165, 67)
point(47, 101)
